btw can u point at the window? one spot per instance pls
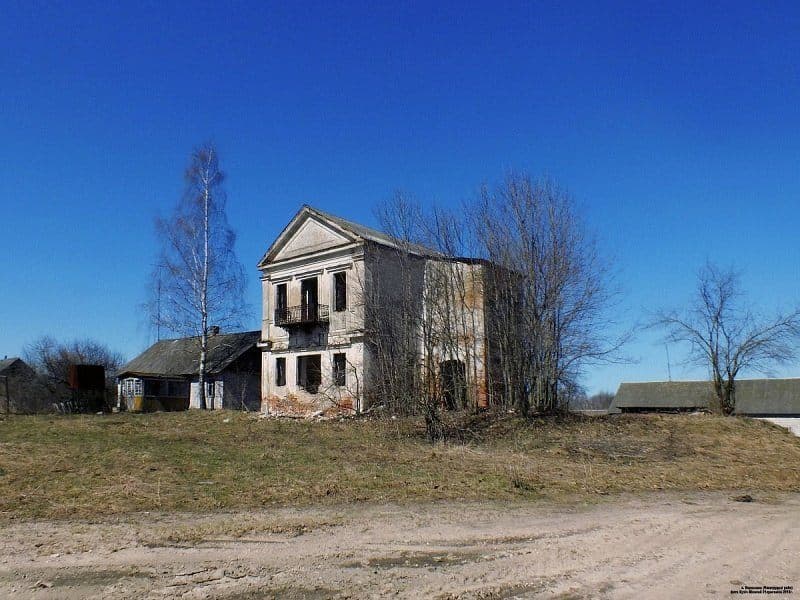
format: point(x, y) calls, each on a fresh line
point(178, 389)
point(308, 299)
point(339, 369)
point(154, 387)
point(132, 387)
point(340, 291)
point(453, 377)
point(309, 373)
point(280, 372)
point(280, 298)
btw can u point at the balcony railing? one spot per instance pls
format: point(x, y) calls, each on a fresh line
point(304, 315)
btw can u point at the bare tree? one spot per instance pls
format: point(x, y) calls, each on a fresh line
point(425, 314)
point(201, 283)
point(393, 310)
point(598, 401)
point(725, 335)
point(551, 296)
point(52, 359)
point(455, 306)
point(503, 303)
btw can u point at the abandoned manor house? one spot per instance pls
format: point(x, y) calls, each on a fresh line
point(332, 330)
point(350, 315)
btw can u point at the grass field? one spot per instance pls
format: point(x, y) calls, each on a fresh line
point(90, 466)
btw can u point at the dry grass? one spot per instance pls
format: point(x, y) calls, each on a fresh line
point(90, 466)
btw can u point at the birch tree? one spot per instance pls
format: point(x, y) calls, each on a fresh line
point(201, 283)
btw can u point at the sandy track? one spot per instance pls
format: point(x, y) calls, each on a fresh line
point(660, 546)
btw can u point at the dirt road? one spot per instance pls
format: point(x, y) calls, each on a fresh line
point(660, 546)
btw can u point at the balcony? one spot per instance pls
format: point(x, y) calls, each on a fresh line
point(306, 315)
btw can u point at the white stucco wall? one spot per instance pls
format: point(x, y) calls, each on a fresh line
point(375, 273)
point(343, 333)
point(293, 399)
point(212, 403)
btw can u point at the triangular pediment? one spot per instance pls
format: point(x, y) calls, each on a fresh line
point(307, 233)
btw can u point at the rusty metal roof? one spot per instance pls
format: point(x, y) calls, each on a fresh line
point(181, 357)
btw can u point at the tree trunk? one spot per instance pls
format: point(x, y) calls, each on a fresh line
point(204, 299)
point(730, 397)
point(202, 369)
point(721, 393)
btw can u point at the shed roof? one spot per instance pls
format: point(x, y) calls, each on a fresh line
point(16, 368)
point(7, 362)
point(768, 397)
point(181, 357)
point(664, 395)
point(753, 396)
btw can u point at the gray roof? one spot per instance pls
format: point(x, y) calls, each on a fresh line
point(181, 357)
point(7, 362)
point(664, 395)
point(753, 396)
point(360, 231)
point(373, 235)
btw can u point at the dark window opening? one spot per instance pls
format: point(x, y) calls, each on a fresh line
point(178, 389)
point(281, 300)
point(308, 299)
point(309, 372)
point(340, 291)
point(454, 384)
point(152, 387)
point(339, 369)
point(280, 372)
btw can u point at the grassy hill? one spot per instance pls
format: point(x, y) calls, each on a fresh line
point(89, 466)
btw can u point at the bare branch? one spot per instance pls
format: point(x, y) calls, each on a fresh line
point(726, 336)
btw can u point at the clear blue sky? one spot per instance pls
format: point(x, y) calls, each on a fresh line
point(675, 125)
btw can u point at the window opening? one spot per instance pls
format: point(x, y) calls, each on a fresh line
point(280, 372)
point(340, 291)
point(339, 369)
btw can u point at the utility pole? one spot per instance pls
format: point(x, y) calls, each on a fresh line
point(159, 275)
point(669, 367)
point(158, 307)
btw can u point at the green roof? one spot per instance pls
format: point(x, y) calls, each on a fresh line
point(181, 357)
point(753, 396)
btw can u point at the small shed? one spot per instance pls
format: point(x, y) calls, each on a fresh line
point(165, 376)
point(16, 385)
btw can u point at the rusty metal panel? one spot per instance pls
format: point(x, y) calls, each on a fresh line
point(87, 378)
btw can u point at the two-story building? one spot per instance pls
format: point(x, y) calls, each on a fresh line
point(331, 291)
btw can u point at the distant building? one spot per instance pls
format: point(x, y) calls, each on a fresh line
point(165, 376)
point(754, 397)
point(16, 385)
point(328, 288)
